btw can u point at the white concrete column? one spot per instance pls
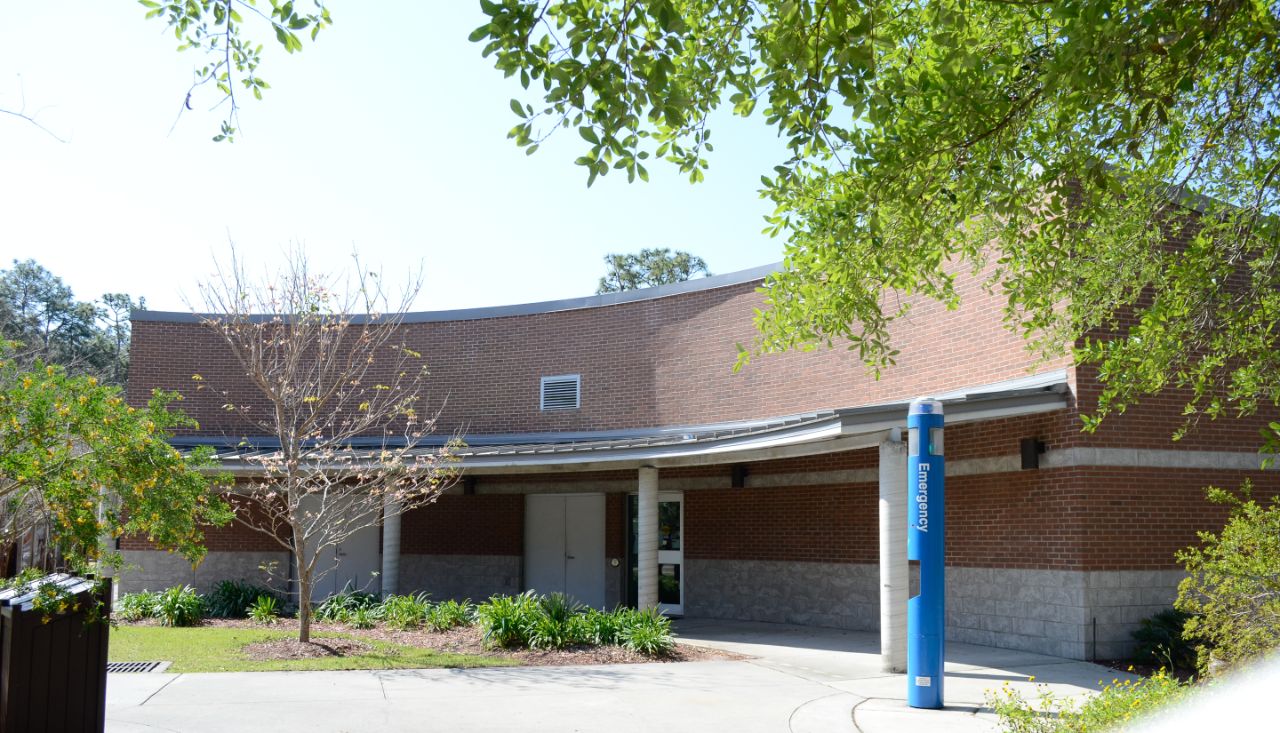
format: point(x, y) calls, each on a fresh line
point(895, 575)
point(390, 546)
point(647, 541)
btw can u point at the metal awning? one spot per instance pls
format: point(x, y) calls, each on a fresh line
point(806, 434)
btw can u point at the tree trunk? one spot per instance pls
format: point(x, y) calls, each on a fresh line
point(304, 606)
point(301, 559)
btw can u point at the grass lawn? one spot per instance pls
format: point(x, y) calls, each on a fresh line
point(217, 649)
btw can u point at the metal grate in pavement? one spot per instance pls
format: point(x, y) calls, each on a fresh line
point(136, 666)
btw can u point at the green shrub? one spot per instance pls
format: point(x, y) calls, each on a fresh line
point(558, 607)
point(232, 598)
point(179, 607)
point(339, 607)
point(545, 632)
point(647, 632)
point(406, 612)
point(265, 609)
point(555, 621)
point(136, 606)
point(602, 627)
point(1162, 641)
point(450, 614)
point(1116, 705)
point(506, 620)
point(1232, 588)
point(362, 617)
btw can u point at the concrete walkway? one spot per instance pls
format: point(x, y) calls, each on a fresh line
point(799, 679)
point(862, 698)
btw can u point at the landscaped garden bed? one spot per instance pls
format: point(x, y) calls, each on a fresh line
point(359, 631)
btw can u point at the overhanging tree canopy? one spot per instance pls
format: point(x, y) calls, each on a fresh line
point(1055, 146)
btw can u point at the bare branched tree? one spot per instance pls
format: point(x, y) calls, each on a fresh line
point(343, 408)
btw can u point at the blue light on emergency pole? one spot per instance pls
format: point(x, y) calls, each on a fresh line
point(926, 528)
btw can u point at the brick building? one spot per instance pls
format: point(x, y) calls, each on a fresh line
point(762, 493)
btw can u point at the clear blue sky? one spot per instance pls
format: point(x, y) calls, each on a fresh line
point(387, 135)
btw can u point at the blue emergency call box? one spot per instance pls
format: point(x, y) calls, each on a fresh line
point(926, 533)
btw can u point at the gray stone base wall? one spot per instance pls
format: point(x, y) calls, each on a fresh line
point(837, 595)
point(156, 570)
point(1120, 599)
point(1053, 611)
point(1042, 611)
point(460, 576)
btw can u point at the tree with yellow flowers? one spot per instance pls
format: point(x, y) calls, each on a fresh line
point(82, 465)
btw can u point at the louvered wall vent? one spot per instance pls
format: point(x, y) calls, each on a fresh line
point(561, 393)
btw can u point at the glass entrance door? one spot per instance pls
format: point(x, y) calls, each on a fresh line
point(670, 551)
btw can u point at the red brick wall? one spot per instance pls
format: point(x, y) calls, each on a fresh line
point(1137, 518)
point(233, 537)
point(801, 523)
point(1026, 519)
point(483, 524)
point(666, 361)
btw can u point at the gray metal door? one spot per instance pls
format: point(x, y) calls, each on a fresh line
point(544, 543)
point(584, 549)
point(564, 546)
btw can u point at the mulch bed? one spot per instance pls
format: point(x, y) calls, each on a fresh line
point(461, 640)
point(294, 649)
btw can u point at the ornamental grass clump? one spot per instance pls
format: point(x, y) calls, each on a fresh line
point(556, 621)
point(339, 607)
point(136, 606)
point(233, 598)
point(450, 614)
point(265, 610)
point(505, 620)
point(603, 627)
point(178, 607)
point(647, 632)
point(364, 617)
point(406, 612)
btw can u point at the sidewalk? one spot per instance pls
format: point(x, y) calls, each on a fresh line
point(799, 679)
point(848, 664)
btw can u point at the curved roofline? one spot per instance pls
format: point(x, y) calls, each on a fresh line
point(527, 309)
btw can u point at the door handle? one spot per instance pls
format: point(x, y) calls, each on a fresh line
point(570, 557)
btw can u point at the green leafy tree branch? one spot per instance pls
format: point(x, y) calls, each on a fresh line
point(1108, 167)
point(218, 31)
